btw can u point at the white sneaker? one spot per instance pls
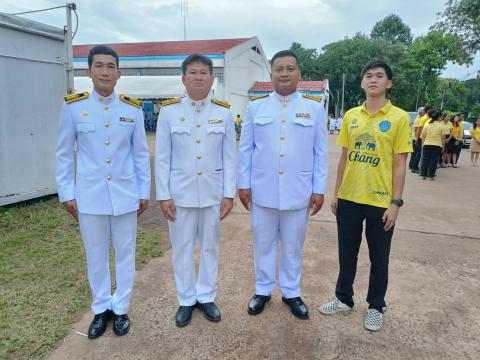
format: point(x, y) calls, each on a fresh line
point(334, 306)
point(373, 320)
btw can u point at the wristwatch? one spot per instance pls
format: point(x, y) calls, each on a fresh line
point(398, 202)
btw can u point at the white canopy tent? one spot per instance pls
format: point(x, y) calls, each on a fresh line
point(143, 87)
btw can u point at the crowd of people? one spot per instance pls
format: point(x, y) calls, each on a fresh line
point(438, 139)
point(334, 124)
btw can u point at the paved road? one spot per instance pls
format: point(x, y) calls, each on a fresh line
point(432, 297)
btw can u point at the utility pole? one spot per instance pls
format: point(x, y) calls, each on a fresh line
point(68, 44)
point(184, 12)
point(343, 92)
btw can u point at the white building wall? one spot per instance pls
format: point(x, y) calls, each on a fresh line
point(243, 67)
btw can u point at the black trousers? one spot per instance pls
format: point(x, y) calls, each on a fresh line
point(350, 218)
point(417, 154)
point(431, 154)
point(413, 155)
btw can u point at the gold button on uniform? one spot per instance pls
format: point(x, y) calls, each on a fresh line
point(284, 121)
point(198, 125)
point(108, 161)
point(107, 124)
point(282, 137)
point(107, 142)
point(101, 99)
point(106, 107)
point(282, 155)
point(109, 178)
point(281, 172)
point(198, 141)
point(199, 157)
point(199, 173)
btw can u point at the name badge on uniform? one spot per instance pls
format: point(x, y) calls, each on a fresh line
point(215, 121)
point(127, 119)
point(302, 116)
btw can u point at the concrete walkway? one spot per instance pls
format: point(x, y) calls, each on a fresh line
point(432, 297)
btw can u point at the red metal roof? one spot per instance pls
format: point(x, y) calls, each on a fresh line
point(302, 86)
point(218, 46)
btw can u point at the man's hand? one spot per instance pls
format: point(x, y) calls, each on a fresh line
point(316, 203)
point(71, 207)
point(390, 216)
point(168, 209)
point(245, 196)
point(333, 205)
point(225, 207)
point(143, 206)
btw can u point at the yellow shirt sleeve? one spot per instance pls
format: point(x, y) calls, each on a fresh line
point(343, 138)
point(403, 141)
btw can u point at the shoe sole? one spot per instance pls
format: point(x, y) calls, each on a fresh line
point(180, 325)
point(253, 313)
point(372, 328)
point(344, 311)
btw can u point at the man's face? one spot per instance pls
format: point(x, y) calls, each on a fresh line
point(375, 82)
point(198, 80)
point(104, 74)
point(285, 75)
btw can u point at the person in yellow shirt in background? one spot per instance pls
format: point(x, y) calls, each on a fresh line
point(475, 144)
point(375, 139)
point(454, 146)
point(433, 141)
point(238, 126)
point(447, 132)
point(418, 142)
point(416, 149)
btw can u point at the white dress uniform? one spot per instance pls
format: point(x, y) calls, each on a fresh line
point(283, 160)
point(112, 174)
point(195, 167)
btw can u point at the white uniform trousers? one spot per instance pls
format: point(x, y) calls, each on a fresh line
point(96, 231)
point(269, 226)
point(192, 224)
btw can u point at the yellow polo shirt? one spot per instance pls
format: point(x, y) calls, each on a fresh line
point(423, 120)
point(432, 133)
point(447, 127)
point(475, 133)
point(458, 131)
point(371, 141)
point(415, 125)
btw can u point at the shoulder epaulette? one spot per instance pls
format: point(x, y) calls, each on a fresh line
point(311, 97)
point(75, 97)
point(170, 101)
point(221, 103)
point(253, 98)
point(132, 101)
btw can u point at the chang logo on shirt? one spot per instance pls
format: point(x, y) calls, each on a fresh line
point(365, 150)
point(354, 124)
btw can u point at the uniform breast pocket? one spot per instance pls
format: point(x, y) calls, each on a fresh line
point(128, 124)
point(180, 130)
point(263, 121)
point(216, 130)
point(304, 122)
point(85, 128)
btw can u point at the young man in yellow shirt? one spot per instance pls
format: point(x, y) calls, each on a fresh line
point(375, 139)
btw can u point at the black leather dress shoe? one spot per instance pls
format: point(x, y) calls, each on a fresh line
point(297, 307)
point(210, 311)
point(184, 315)
point(121, 324)
point(99, 324)
point(257, 303)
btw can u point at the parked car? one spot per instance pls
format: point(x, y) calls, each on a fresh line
point(467, 139)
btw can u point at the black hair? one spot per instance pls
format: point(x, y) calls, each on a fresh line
point(376, 64)
point(434, 114)
point(102, 50)
point(197, 58)
point(285, 53)
point(427, 108)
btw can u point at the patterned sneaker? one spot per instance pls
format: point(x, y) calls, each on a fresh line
point(373, 320)
point(334, 306)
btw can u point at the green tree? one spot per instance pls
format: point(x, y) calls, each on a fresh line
point(392, 29)
point(308, 61)
point(462, 18)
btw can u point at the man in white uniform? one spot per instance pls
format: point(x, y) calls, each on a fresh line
point(195, 182)
point(111, 186)
point(282, 172)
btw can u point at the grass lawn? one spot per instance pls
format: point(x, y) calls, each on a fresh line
point(43, 281)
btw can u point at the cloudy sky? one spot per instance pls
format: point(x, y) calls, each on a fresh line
point(277, 23)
